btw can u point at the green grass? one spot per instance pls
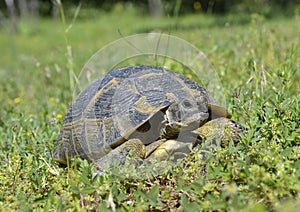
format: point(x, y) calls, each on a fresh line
point(257, 61)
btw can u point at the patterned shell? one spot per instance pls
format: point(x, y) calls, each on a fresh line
point(116, 105)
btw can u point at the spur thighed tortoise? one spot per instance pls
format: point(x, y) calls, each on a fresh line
point(150, 110)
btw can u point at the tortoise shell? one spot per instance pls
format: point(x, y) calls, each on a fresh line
point(120, 105)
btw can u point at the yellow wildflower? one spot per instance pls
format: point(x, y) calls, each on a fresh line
point(17, 100)
point(59, 116)
point(51, 99)
point(29, 133)
point(189, 76)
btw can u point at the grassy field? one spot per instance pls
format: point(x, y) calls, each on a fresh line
point(258, 63)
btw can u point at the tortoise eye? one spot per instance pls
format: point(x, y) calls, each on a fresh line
point(187, 104)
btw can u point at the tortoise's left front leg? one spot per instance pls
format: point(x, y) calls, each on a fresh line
point(222, 129)
point(118, 155)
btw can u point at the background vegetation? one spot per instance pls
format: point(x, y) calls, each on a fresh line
point(257, 59)
point(47, 7)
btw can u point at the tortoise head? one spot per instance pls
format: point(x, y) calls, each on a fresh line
point(184, 115)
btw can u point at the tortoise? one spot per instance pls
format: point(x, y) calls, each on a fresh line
point(151, 111)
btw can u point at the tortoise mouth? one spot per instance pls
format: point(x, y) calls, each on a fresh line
point(194, 121)
point(191, 122)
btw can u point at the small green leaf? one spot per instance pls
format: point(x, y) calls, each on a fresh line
point(75, 190)
point(153, 194)
point(88, 190)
